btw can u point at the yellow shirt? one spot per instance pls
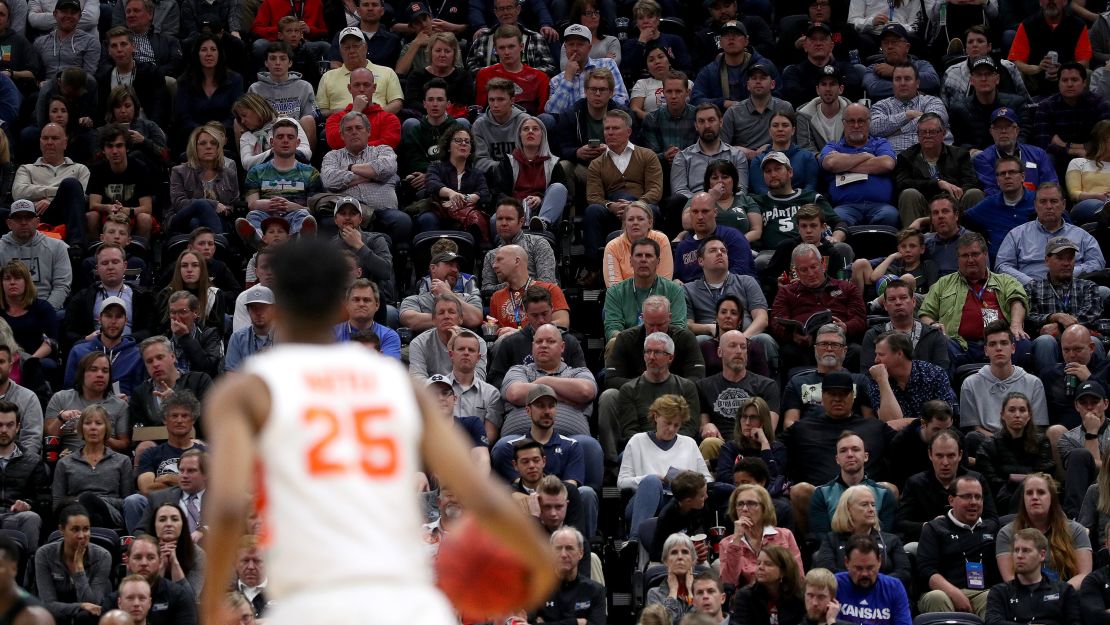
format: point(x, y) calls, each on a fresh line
point(332, 94)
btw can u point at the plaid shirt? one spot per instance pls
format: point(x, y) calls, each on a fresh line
point(144, 52)
point(565, 93)
point(536, 53)
point(662, 130)
point(375, 194)
point(888, 119)
point(1071, 123)
point(1079, 298)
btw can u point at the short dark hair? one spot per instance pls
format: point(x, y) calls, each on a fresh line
point(863, 544)
point(687, 484)
point(898, 342)
point(536, 294)
point(525, 444)
point(7, 406)
point(754, 467)
point(946, 197)
point(935, 409)
point(304, 282)
point(954, 488)
point(947, 434)
point(111, 132)
point(508, 200)
point(705, 243)
point(435, 83)
point(182, 399)
point(998, 326)
point(279, 47)
point(711, 576)
point(654, 245)
point(909, 66)
point(1074, 66)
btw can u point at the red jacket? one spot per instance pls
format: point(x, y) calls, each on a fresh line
point(385, 128)
point(311, 11)
point(797, 302)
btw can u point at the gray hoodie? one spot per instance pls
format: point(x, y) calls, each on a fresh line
point(292, 97)
point(495, 140)
point(48, 260)
point(982, 393)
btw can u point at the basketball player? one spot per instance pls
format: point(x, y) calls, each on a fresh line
point(335, 435)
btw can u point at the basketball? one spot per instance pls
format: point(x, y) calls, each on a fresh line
point(479, 576)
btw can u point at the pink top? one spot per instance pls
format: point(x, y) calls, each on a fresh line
point(738, 557)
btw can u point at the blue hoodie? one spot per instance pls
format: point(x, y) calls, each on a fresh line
point(885, 603)
point(127, 363)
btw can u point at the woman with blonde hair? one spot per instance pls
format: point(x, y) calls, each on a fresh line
point(33, 321)
point(95, 476)
point(203, 188)
point(441, 59)
point(856, 514)
point(637, 222)
point(754, 528)
point(1088, 179)
point(254, 129)
point(242, 612)
point(650, 457)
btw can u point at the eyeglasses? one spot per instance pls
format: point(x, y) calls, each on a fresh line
point(829, 345)
point(598, 89)
point(970, 497)
point(655, 352)
point(180, 311)
point(591, 13)
point(930, 132)
point(748, 504)
point(460, 141)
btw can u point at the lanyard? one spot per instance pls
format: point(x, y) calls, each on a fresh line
point(978, 295)
point(1064, 301)
point(298, 13)
point(518, 304)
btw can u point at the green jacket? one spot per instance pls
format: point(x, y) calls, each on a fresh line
point(623, 302)
point(945, 300)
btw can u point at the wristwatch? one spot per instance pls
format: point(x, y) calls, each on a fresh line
point(1089, 436)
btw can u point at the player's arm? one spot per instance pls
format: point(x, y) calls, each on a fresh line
point(238, 405)
point(445, 452)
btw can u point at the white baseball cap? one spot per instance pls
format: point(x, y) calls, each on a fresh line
point(578, 30)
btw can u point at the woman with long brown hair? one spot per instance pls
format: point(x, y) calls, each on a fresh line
point(775, 596)
point(1088, 179)
point(190, 273)
point(1069, 555)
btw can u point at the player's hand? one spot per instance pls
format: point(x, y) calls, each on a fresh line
point(422, 485)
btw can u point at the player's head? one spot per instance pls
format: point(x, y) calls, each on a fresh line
point(309, 286)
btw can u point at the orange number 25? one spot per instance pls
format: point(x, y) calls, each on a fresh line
point(377, 454)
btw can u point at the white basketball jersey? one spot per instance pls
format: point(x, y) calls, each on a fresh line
point(337, 463)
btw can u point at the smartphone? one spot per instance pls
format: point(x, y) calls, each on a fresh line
point(593, 143)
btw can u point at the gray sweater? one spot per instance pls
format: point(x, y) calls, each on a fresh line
point(112, 480)
point(292, 97)
point(982, 393)
point(64, 592)
point(48, 261)
point(541, 262)
point(493, 140)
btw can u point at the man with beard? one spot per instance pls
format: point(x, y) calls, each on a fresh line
point(122, 349)
point(23, 481)
point(30, 410)
point(85, 307)
point(929, 344)
point(747, 124)
point(1005, 127)
point(865, 594)
point(372, 250)
point(577, 599)
point(18, 606)
point(780, 205)
point(146, 405)
point(802, 398)
point(170, 603)
point(1045, 41)
point(443, 277)
point(817, 42)
point(1031, 596)
point(688, 167)
point(821, 119)
point(722, 395)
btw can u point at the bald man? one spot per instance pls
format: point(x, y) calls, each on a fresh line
point(574, 387)
point(56, 185)
point(1083, 358)
point(506, 307)
point(116, 617)
point(385, 128)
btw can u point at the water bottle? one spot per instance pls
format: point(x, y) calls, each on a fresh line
point(853, 56)
point(1071, 382)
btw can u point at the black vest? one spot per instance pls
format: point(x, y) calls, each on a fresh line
point(1043, 39)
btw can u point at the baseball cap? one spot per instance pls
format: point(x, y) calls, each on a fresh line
point(438, 379)
point(822, 26)
point(22, 206)
point(540, 390)
point(1005, 112)
point(416, 9)
point(68, 4)
point(838, 380)
point(894, 29)
point(346, 200)
point(1059, 244)
point(113, 301)
point(351, 31)
point(984, 61)
point(445, 257)
point(281, 221)
point(759, 67)
point(1092, 388)
point(776, 157)
point(578, 30)
point(830, 71)
point(735, 25)
point(258, 294)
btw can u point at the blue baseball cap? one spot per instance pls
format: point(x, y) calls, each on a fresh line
point(1005, 112)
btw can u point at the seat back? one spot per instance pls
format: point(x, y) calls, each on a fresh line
point(422, 249)
point(947, 618)
point(872, 241)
